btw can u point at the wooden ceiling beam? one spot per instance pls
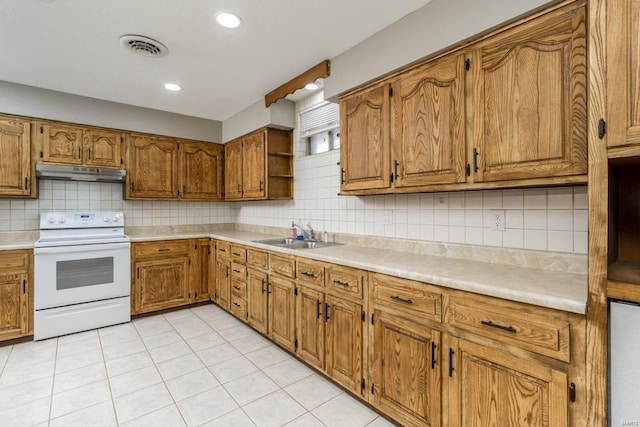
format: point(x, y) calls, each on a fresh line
point(320, 71)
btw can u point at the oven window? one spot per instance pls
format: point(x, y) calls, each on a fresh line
point(84, 272)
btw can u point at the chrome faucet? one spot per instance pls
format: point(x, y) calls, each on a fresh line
point(309, 234)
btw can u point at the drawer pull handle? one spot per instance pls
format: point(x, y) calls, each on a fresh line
point(236, 271)
point(510, 329)
point(400, 299)
point(319, 309)
point(236, 304)
point(306, 273)
point(237, 288)
point(164, 249)
point(340, 282)
point(236, 254)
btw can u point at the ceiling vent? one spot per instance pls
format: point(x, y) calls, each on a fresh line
point(144, 46)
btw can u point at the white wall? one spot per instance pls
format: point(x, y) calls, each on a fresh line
point(281, 115)
point(48, 104)
point(433, 27)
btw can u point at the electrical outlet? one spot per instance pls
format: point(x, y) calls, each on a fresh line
point(497, 221)
point(387, 217)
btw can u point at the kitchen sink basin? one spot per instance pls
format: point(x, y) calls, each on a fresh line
point(296, 244)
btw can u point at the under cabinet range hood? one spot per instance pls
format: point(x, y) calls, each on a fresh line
point(79, 173)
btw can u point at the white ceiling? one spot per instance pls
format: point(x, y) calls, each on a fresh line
point(72, 46)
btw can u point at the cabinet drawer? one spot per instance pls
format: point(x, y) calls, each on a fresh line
point(238, 307)
point(310, 271)
point(283, 265)
point(168, 247)
point(238, 271)
point(224, 249)
point(407, 295)
point(523, 327)
point(239, 289)
point(14, 261)
point(238, 253)
point(257, 259)
point(345, 279)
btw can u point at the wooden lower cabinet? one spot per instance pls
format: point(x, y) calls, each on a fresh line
point(258, 300)
point(223, 282)
point(202, 271)
point(16, 300)
point(310, 325)
point(406, 370)
point(161, 283)
point(488, 387)
point(282, 311)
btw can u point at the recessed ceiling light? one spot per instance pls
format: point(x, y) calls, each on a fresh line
point(172, 87)
point(228, 20)
point(311, 86)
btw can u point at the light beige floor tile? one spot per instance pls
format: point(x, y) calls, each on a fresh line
point(134, 381)
point(191, 384)
point(164, 338)
point(250, 387)
point(307, 420)
point(235, 418)
point(273, 410)
point(267, 356)
point(288, 372)
point(179, 366)
point(128, 363)
point(79, 377)
point(34, 347)
point(218, 354)
point(121, 336)
point(204, 341)
point(159, 326)
point(142, 402)
point(13, 376)
point(119, 350)
point(4, 355)
point(71, 348)
point(169, 416)
point(169, 351)
point(174, 316)
point(79, 360)
point(101, 415)
point(26, 392)
point(20, 358)
point(380, 422)
point(194, 330)
point(237, 332)
point(344, 411)
point(80, 398)
point(313, 391)
point(224, 322)
point(78, 336)
point(231, 369)
point(251, 343)
point(117, 329)
point(26, 414)
point(206, 406)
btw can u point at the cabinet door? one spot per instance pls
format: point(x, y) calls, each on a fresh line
point(223, 283)
point(60, 143)
point(103, 148)
point(530, 99)
point(202, 268)
point(310, 322)
point(364, 139)
point(15, 157)
point(201, 171)
point(282, 312)
point(153, 166)
point(492, 388)
point(429, 124)
point(14, 306)
point(161, 283)
point(257, 282)
point(233, 170)
point(405, 370)
point(344, 342)
point(254, 166)
point(623, 72)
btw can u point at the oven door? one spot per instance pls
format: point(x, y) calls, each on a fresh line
point(65, 275)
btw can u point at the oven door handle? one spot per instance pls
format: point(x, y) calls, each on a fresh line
point(81, 248)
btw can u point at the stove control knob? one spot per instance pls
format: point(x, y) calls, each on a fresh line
point(51, 220)
point(106, 219)
point(62, 220)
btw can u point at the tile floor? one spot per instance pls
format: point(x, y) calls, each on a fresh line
point(193, 367)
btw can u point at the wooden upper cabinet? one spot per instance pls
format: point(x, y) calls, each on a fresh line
point(15, 158)
point(102, 148)
point(529, 99)
point(201, 170)
point(153, 165)
point(64, 143)
point(623, 73)
point(233, 170)
point(428, 119)
point(364, 139)
point(259, 166)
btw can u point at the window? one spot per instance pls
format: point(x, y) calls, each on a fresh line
point(320, 128)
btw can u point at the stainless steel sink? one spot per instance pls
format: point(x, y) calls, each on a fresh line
point(296, 244)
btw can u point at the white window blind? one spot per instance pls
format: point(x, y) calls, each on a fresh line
point(319, 118)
